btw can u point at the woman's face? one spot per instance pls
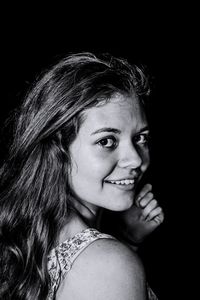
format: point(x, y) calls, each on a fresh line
point(110, 154)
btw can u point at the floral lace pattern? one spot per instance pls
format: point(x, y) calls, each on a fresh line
point(61, 258)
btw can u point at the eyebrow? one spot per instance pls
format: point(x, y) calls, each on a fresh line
point(106, 129)
point(114, 130)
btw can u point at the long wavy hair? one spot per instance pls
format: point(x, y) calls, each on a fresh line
point(34, 192)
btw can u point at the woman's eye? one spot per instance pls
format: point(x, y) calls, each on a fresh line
point(107, 143)
point(141, 139)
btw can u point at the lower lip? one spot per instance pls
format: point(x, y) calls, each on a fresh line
point(123, 187)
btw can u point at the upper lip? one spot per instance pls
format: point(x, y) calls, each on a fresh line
point(125, 178)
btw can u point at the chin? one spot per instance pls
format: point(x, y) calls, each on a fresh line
point(123, 205)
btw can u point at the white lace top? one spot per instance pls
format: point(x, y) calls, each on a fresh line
point(61, 258)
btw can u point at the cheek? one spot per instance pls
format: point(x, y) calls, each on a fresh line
point(91, 168)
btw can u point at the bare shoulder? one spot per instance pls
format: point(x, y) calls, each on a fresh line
point(107, 269)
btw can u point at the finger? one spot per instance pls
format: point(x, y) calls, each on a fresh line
point(145, 189)
point(146, 199)
point(154, 213)
point(150, 206)
point(159, 218)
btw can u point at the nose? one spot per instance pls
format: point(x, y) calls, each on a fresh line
point(130, 157)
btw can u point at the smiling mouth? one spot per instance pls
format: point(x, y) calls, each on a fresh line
point(125, 182)
point(123, 185)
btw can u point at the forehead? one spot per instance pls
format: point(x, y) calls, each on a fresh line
point(119, 112)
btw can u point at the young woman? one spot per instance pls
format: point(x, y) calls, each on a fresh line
point(80, 147)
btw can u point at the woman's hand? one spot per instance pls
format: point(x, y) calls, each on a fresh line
point(142, 218)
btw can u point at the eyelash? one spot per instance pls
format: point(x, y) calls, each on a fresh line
point(145, 139)
point(113, 141)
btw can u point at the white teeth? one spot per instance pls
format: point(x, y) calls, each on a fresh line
point(123, 182)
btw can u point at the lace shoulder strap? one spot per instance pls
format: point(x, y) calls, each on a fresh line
point(61, 258)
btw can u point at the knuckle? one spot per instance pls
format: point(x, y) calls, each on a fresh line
point(145, 211)
point(151, 214)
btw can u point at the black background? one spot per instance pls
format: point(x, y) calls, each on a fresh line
point(163, 38)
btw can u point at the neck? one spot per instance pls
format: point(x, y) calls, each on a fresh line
point(82, 216)
point(86, 211)
point(88, 214)
point(74, 225)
